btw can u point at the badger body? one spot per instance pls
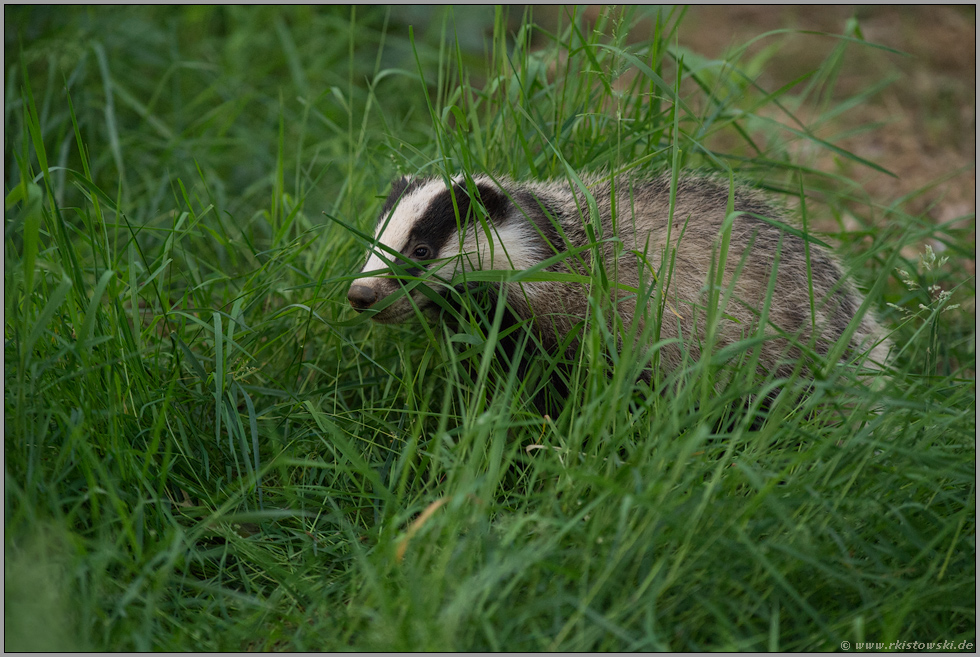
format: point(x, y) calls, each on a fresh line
point(660, 261)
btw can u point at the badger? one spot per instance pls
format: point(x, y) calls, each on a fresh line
point(666, 259)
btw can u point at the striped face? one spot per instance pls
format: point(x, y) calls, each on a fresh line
point(421, 234)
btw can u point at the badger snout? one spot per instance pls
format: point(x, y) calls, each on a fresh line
point(362, 297)
point(366, 294)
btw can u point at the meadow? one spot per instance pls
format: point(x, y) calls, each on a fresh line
point(207, 449)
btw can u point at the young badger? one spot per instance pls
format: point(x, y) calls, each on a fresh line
point(658, 264)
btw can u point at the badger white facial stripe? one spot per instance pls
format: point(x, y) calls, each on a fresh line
point(511, 246)
point(394, 230)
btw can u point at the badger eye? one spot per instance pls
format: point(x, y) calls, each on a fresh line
point(421, 252)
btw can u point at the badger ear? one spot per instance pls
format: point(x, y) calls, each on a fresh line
point(493, 199)
point(398, 187)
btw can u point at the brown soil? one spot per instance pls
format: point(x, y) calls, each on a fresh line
point(929, 113)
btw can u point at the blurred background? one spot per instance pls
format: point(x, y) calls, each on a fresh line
point(920, 125)
point(924, 123)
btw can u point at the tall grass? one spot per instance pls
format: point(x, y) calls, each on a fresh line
point(206, 449)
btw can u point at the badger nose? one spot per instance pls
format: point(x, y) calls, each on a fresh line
point(361, 297)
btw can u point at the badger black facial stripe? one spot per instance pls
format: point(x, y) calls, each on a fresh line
point(412, 272)
point(439, 222)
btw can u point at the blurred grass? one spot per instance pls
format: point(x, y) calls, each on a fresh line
point(206, 450)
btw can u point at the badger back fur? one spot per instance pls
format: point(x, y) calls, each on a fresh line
point(658, 259)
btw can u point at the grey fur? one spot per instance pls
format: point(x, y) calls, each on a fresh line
point(640, 248)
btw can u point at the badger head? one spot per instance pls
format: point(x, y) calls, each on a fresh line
point(430, 232)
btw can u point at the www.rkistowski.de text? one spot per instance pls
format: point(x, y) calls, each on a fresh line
point(909, 645)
